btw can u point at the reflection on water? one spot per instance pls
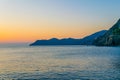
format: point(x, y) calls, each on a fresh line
point(59, 63)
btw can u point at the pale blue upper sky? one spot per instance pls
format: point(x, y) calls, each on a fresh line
point(77, 17)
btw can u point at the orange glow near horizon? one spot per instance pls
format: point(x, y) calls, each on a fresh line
point(21, 34)
point(27, 21)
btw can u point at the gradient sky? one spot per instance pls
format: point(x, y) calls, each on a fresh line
point(29, 20)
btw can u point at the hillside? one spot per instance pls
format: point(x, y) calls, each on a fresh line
point(111, 37)
point(88, 40)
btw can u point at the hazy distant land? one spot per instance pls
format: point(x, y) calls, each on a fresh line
point(109, 37)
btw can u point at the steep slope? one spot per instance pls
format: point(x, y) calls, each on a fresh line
point(111, 37)
point(88, 40)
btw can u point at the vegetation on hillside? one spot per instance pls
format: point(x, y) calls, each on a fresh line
point(116, 31)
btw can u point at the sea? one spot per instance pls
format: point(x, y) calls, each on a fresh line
point(73, 62)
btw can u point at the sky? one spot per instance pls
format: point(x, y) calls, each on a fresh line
point(30, 20)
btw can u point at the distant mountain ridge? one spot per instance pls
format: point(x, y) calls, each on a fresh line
point(70, 41)
point(55, 41)
point(111, 37)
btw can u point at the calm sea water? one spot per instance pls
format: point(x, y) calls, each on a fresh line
point(22, 62)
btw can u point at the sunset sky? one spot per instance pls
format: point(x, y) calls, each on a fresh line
point(29, 20)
